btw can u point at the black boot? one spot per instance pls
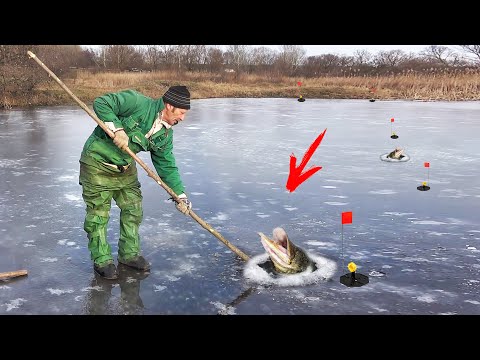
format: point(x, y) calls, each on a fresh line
point(137, 262)
point(106, 270)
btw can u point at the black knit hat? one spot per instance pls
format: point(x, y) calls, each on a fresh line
point(178, 96)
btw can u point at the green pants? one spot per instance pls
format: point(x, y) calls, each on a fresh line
point(99, 186)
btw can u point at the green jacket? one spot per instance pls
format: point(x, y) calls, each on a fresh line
point(135, 113)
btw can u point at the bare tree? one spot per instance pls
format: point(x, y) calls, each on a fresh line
point(263, 56)
point(193, 56)
point(237, 56)
point(99, 56)
point(390, 58)
point(362, 57)
point(262, 60)
point(61, 58)
point(122, 57)
point(321, 65)
point(156, 57)
point(179, 52)
point(290, 58)
point(18, 73)
point(170, 54)
point(214, 59)
point(153, 56)
point(441, 55)
point(472, 50)
point(86, 59)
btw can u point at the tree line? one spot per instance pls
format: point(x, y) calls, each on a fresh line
point(19, 75)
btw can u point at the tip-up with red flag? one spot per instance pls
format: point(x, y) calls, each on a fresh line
point(392, 120)
point(427, 164)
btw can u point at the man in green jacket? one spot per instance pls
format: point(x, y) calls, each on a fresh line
point(107, 172)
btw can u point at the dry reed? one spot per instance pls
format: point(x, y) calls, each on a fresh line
point(406, 86)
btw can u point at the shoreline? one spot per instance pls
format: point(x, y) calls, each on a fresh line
point(73, 103)
point(88, 86)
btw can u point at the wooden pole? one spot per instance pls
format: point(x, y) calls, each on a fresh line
point(138, 160)
point(10, 274)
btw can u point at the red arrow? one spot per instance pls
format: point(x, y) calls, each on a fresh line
point(295, 177)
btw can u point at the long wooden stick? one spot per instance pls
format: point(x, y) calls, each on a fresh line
point(138, 160)
point(9, 274)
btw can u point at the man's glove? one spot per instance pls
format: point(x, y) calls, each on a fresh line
point(184, 205)
point(121, 139)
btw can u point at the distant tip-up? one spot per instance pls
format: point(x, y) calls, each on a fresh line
point(32, 55)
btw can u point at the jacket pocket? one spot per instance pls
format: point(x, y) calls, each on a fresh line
point(159, 140)
point(139, 141)
point(129, 124)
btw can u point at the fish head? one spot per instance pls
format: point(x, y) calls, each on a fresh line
point(286, 257)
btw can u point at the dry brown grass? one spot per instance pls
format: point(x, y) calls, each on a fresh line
point(87, 86)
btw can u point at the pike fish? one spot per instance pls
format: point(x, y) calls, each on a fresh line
point(286, 257)
point(396, 154)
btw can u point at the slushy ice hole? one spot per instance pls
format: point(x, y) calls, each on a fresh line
point(260, 270)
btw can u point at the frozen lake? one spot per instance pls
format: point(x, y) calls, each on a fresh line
point(420, 249)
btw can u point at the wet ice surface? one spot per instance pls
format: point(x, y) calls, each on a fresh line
point(420, 249)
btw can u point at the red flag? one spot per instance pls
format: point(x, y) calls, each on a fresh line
point(392, 120)
point(299, 83)
point(427, 164)
point(347, 217)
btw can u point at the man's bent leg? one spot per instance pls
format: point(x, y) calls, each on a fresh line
point(129, 200)
point(95, 224)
